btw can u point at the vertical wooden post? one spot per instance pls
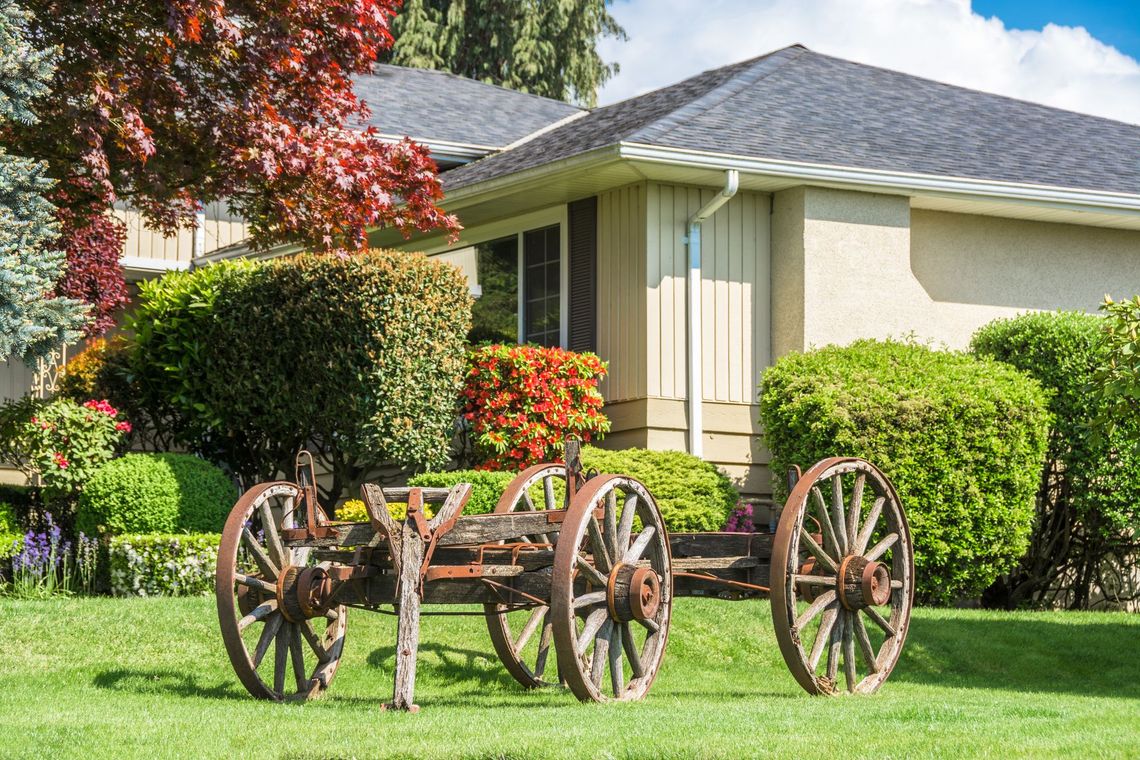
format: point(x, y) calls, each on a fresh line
point(408, 630)
point(573, 461)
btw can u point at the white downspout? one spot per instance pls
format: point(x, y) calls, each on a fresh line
point(696, 357)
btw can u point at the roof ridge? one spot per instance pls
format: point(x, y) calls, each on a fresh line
point(757, 70)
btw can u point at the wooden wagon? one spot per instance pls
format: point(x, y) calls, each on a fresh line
point(583, 566)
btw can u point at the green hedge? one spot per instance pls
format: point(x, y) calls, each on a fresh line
point(155, 493)
point(361, 358)
point(692, 494)
point(11, 536)
point(1090, 505)
point(156, 564)
point(962, 439)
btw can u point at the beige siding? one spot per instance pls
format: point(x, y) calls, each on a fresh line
point(621, 291)
point(15, 379)
point(221, 229)
point(735, 293)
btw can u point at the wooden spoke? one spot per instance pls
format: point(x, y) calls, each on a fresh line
point(880, 548)
point(258, 613)
point(279, 663)
point(257, 583)
point(880, 621)
point(633, 554)
point(837, 513)
point(617, 674)
point(601, 652)
point(548, 491)
point(589, 599)
point(896, 584)
point(856, 506)
point(818, 551)
point(869, 526)
point(816, 580)
point(531, 626)
point(849, 652)
point(631, 653)
point(822, 635)
point(315, 643)
point(272, 626)
point(264, 563)
point(834, 644)
point(825, 525)
point(272, 538)
point(865, 645)
point(598, 546)
point(609, 518)
point(650, 625)
point(543, 646)
point(591, 572)
point(332, 615)
point(297, 655)
point(625, 527)
point(529, 502)
point(594, 622)
point(821, 601)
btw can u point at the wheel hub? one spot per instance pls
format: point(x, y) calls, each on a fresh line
point(633, 593)
point(863, 583)
point(303, 592)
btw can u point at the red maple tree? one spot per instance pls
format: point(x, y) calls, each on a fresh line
point(166, 104)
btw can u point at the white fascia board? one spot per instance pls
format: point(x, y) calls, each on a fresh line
point(446, 150)
point(144, 265)
point(923, 184)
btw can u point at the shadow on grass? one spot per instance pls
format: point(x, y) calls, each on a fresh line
point(1027, 654)
point(164, 681)
point(450, 664)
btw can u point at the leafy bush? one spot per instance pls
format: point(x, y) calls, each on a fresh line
point(522, 401)
point(61, 442)
point(10, 533)
point(693, 494)
point(962, 439)
point(1088, 506)
point(359, 358)
point(487, 486)
point(163, 565)
point(353, 510)
point(1117, 375)
point(102, 371)
point(155, 493)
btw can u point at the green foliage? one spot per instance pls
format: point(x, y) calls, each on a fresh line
point(156, 564)
point(693, 494)
point(547, 48)
point(1117, 376)
point(962, 440)
point(487, 486)
point(60, 442)
point(360, 359)
point(10, 531)
point(155, 493)
point(1089, 502)
point(32, 321)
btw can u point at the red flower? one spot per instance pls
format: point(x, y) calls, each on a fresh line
point(59, 460)
point(123, 427)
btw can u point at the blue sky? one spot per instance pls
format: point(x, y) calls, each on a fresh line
point(1081, 56)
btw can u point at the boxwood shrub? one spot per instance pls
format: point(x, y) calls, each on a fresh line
point(162, 564)
point(962, 439)
point(155, 493)
point(692, 494)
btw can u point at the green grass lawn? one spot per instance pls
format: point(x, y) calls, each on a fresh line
point(149, 678)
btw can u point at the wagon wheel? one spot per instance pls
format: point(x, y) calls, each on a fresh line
point(612, 591)
point(517, 650)
point(842, 578)
point(258, 604)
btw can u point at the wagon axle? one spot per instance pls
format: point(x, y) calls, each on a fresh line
point(576, 577)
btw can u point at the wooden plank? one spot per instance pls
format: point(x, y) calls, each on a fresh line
point(714, 563)
point(469, 529)
point(721, 544)
point(408, 630)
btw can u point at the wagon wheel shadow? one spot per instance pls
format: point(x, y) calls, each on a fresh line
point(451, 665)
point(164, 681)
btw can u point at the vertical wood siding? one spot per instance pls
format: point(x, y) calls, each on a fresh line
point(15, 379)
point(621, 338)
point(735, 293)
point(221, 229)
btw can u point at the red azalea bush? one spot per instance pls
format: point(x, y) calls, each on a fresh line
point(523, 401)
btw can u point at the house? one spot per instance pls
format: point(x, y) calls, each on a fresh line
point(694, 234)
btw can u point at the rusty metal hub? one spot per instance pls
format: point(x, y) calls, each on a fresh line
point(863, 583)
point(633, 593)
point(303, 592)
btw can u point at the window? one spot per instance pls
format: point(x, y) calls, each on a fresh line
point(510, 311)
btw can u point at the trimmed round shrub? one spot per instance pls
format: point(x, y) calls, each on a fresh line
point(962, 439)
point(693, 494)
point(1088, 507)
point(155, 493)
point(487, 486)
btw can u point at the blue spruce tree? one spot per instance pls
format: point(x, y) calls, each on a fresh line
point(32, 321)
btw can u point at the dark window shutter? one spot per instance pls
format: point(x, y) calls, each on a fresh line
point(583, 268)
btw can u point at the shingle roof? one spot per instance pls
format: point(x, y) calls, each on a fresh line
point(798, 105)
point(436, 105)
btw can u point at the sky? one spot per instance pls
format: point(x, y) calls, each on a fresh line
point(1081, 56)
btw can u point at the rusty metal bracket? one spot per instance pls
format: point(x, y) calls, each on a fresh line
point(306, 476)
point(452, 572)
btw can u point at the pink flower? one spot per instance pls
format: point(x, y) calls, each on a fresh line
point(103, 406)
point(123, 427)
point(59, 460)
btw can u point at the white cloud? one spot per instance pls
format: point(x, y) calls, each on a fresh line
point(945, 40)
